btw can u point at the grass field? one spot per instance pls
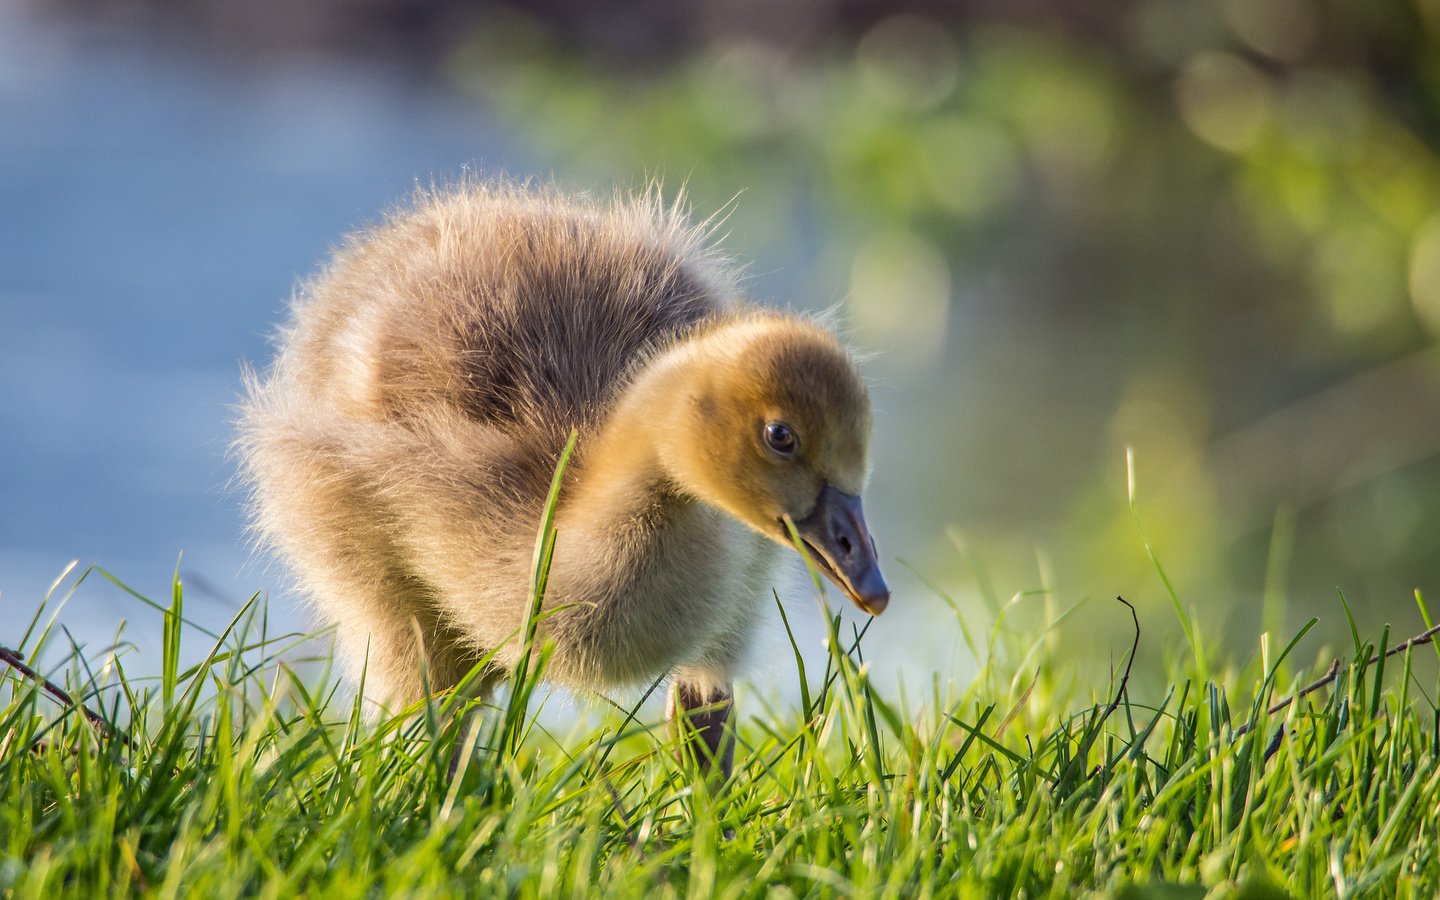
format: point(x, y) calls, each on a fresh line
point(240, 777)
point(237, 777)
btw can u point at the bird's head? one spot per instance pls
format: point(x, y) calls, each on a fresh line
point(779, 430)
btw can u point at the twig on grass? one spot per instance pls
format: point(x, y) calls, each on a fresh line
point(16, 661)
point(1125, 678)
point(1424, 637)
point(1274, 745)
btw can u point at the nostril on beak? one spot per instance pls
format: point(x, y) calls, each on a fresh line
point(845, 545)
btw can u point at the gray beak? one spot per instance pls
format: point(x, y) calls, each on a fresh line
point(838, 539)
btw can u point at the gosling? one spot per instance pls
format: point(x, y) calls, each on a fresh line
point(401, 448)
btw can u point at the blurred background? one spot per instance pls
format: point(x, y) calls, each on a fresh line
point(1207, 231)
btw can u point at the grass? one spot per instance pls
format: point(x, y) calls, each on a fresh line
point(239, 776)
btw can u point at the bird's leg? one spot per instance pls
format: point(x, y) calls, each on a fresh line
point(701, 713)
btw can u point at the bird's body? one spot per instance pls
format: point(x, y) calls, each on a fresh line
point(402, 446)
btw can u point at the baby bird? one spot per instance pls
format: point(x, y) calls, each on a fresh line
point(401, 448)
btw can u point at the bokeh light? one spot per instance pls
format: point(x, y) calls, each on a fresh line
point(1205, 233)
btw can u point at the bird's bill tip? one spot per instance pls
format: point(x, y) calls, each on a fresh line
point(839, 542)
point(872, 595)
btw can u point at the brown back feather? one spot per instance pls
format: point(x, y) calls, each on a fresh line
point(523, 310)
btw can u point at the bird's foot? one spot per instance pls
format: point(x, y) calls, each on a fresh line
point(701, 717)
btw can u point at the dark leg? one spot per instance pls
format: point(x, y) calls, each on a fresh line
point(702, 714)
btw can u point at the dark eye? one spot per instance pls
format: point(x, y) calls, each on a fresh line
point(781, 438)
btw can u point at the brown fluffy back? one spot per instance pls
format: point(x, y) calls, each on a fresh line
point(516, 307)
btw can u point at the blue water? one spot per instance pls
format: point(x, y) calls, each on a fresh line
point(156, 211)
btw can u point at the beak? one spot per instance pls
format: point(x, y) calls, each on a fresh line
point(840, 543)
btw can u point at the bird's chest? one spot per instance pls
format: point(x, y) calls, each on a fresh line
point(705, 576)
point(675, 592)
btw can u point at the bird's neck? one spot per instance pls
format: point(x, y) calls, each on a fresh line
point(622, 482)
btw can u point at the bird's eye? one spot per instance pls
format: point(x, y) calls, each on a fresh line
point(781, 438)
